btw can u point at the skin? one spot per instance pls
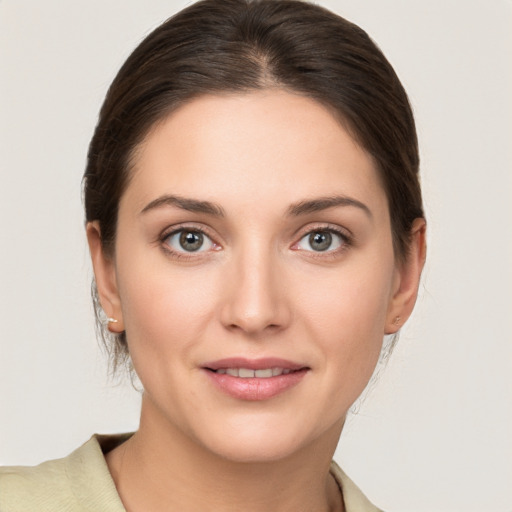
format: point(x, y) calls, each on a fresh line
point(259, 289)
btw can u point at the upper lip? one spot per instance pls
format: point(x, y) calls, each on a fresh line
point(253, 364)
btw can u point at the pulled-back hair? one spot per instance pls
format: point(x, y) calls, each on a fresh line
point(236, 46)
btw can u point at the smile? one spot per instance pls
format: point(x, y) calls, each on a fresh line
point(247, 373)
point(255, 379)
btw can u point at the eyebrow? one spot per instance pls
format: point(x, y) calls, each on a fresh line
point(185, 203)
point(295, 210)
point(323, 203)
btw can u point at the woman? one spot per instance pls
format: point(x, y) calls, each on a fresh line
point(255, 224)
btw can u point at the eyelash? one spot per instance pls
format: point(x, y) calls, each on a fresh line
point(345, 237)
point(346, 240)
point(184, 255)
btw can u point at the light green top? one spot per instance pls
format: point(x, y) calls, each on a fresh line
point(81, 482)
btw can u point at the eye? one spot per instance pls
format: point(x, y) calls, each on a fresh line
point(189, 240)
point(321, 240)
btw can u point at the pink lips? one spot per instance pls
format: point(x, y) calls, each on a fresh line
point(286, 374)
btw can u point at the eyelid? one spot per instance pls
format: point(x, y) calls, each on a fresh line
point(324, 226)
point(184, 226)
point(344, 233)
point(187, 226)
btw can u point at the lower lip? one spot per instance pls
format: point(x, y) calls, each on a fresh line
point(254, 388)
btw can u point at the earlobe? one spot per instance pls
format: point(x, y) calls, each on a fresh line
point(105, 277)
point(407, 279)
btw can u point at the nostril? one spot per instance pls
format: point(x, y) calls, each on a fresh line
point(254, 327)
point(255, 306)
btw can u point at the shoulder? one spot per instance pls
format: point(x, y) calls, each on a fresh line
point(353, 498)
point(29, 488)
point(81, 481)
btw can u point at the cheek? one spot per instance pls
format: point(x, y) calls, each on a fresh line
point(345, 303)
point(164, 309)
point(347, 313)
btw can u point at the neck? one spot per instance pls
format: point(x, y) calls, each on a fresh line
point(161, 468)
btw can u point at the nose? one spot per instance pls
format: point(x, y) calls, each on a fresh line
point(255, 300)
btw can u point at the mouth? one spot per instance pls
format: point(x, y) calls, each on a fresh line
point(248, 373)
point(255, 380)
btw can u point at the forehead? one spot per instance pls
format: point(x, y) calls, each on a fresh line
point(250, 146)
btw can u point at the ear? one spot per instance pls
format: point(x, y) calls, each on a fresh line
point(407, 279)
point(105, 276)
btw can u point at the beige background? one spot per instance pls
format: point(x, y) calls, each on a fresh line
point(434, 435)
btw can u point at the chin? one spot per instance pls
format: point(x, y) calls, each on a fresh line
point(261, 442)
point(255, 450)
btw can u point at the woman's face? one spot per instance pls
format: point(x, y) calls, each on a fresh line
point(253, 273)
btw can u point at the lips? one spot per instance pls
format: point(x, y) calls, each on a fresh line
point(247, 373)
point(254, 380)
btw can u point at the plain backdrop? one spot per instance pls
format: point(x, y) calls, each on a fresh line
point(434, 434)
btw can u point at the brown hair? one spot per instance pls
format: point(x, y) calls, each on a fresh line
point(218, 46)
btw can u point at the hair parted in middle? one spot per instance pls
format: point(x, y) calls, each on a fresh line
point(237, 46)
